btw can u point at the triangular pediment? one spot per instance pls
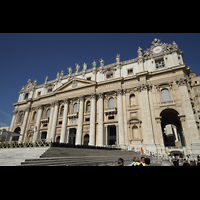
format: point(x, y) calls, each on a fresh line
point(74, 84)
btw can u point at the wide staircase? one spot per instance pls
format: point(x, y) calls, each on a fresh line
point(59, 156)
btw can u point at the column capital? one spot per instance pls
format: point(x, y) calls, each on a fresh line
point(92, 95)
point(39, 107)
point(15, 112)
point(101, 95)
point(119, 91)
point(66, 100)
point(81, 97)
point(56, 102)
point(27, 109)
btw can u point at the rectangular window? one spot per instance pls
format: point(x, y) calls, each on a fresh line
point(130, 71)
point(111, 117)
point(87, 119)
point(89, 78)
point(160, 63)
point(49, 90)
point(109, 75)
point(39, 93)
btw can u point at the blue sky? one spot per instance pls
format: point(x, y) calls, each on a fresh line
point(33, 56)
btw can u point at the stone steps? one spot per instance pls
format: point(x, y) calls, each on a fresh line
point(58, 156)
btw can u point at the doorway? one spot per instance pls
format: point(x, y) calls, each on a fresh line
point(86, 139)
point(17, 130)
point(172, 128)
point(72, 136)
point(112, 139)
point(43, 135)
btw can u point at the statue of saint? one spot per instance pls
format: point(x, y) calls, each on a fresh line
point(101, 62)
point(94, 64)
point(46, 79)
point(140, 50)
point(70, 70)
point(84, 66)
point(77, 67)
point(118, 58)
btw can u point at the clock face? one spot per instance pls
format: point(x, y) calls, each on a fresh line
point(157, 49)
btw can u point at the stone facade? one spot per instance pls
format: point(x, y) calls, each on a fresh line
point(127, 103)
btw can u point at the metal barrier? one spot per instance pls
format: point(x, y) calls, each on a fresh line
point(26, 144)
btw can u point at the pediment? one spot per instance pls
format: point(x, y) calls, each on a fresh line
point(74, 84)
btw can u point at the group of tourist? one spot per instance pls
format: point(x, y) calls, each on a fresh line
point(136, 162)
point(146, 162)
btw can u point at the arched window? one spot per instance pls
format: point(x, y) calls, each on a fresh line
point(88, 106)
point(111, 103)
point(21, 117)
point(75, 109)
point(165, 95)
point(34, 114)
point(26, 96)
point(48, 113)
point(62, 110)
point(132, 100)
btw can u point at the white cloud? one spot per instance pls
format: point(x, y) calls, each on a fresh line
point(2, 124)
point(6, 114)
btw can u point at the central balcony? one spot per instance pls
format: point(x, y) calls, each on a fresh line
point(110, 111)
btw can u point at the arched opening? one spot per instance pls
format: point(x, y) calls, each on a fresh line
point(62, 110)
point(165, 95)
point(132, 100)
point(86, 139)
point(75, 108)
point(72, 136)
point(21, 117)
point(34, 114)
point(58, 139)
point(43, 135)
point(17, 130)
point(88, 106)
point(172, 128)
point(135, 132)
point(48, 113)
point(111, 103)
point(112, 139)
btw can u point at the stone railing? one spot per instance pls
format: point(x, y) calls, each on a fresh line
point(26, 144)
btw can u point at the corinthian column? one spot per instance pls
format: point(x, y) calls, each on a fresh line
point(92, 119)
point(120, 116)
point(24, 123)
point(100, 120)
point(80, 121)
point(39, 115)
point(63, 129)
point(55, 114)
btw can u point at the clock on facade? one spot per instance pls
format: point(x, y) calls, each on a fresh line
point(157, 49)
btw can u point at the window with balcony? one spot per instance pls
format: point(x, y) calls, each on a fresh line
point(160, 63)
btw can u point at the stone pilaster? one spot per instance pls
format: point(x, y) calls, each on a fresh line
point(120, 116)
point(92, 119)
point(80, 121)
point(39, 115)
point(24, 123)
point(55, 114)
point(100, 120)
point(64, 122)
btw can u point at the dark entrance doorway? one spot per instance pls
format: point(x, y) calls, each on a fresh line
point(172, 128)
point(43, 135)
point(72, 136)
point(17, 130)
point(112, 135)
point(86, 139)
